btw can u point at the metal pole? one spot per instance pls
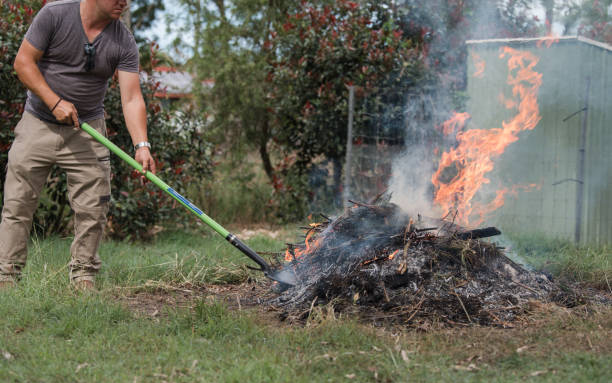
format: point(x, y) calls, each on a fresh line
point(581, 160)
point(349, 145)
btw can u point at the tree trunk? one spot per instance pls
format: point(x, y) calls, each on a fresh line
point(549, 6)
point(263, 151)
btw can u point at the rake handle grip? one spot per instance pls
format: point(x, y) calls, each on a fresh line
point(231, 238)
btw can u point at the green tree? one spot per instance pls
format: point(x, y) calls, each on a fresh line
point(321, 49)
point(589, 18)
point(229, 37)
point(143, 13)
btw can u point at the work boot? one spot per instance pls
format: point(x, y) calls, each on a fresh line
point(84, 285)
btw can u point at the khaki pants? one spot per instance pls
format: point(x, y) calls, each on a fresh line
point(38, 145)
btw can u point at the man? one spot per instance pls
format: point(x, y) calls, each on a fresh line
point(68, 55)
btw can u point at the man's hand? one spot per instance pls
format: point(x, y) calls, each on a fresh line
point(65, 112)
point(143, 157)
point(26, 67)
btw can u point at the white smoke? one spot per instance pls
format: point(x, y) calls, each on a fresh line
point(410, 185)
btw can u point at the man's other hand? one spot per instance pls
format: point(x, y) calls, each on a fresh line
point(143, 157)
point(66, 113)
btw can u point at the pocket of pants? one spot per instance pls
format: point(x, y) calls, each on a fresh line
point(21, 127)
point(90, 188)
point(90, 182)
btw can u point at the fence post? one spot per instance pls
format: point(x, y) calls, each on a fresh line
point(346, 192)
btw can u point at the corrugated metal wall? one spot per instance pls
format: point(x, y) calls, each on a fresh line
point(597, 223)
point(549, 155)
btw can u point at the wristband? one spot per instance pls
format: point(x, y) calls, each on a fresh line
point(56, 104)
point(142, 144)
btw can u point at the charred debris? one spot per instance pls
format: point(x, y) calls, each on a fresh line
point(377, 261)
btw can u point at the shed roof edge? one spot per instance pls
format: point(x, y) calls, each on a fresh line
point(599, 44)
point(530, 39)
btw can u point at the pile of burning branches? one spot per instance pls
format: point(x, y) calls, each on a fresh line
point(376, 258)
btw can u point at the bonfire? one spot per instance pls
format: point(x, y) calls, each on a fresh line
point(381, 261)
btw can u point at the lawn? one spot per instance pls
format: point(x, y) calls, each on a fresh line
point(49, 333)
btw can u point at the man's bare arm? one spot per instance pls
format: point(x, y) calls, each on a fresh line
point(27, 70)
point(135, 114)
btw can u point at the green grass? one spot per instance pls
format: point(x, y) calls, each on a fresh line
point(591, 265)
point(48, 333)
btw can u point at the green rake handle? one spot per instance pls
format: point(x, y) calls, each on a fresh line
point(182, 200)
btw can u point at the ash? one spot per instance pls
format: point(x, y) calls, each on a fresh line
point(377, 260)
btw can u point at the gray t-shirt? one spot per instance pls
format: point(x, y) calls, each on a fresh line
point(57, 30)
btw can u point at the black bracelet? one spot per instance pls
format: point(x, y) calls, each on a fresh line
point(58, 101)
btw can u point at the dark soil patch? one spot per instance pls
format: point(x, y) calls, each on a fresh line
point(156, 301)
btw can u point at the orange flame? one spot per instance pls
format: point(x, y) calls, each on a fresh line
point(393, 254)
point(508, 103)
point(479, 64)
point(455, 123)
point(548, 41)
point(288, 256)
point(481, 211)
point(473, 156)
point(297, 253)
point(550, 38)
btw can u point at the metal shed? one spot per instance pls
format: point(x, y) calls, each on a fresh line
point(569, 153)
